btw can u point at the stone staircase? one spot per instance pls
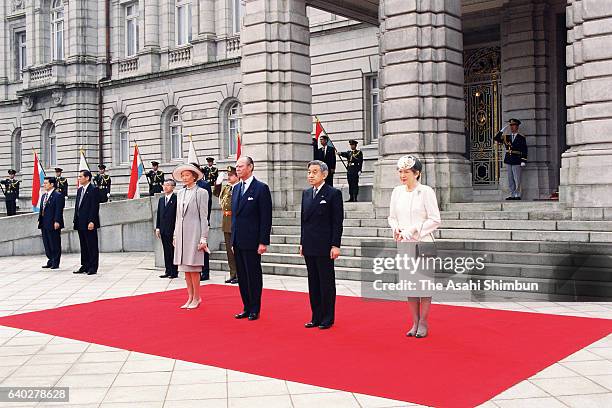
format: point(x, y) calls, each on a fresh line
point(522, 241)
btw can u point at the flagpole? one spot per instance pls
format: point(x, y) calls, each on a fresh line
point(144, 169)
point(329, 138)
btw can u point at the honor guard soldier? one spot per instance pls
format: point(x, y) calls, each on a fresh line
point(224, 192)
point(155, 178)
point(102, 182)
point(211, 172)
point(11, 192)
point(62, 182)
point(515, 158)
point(353, 168)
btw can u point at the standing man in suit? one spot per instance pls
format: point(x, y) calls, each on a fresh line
point(203, 183)
point(164, 227)
point(353, 169)
point(322, 216)
point(11, 192)
point(225, 200)
point(327, 154)
point(102, 182)
point(86, 223)
point(62, 182)
point(51, 222)
point(515, 158)
point(251, 226)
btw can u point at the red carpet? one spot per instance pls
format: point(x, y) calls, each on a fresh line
point(470, 356)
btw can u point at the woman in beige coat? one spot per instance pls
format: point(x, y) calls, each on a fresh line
point(191, 230)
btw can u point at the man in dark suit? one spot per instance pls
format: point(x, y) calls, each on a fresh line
point(327, 154)
point(203, 183)
point(164, 227)
point(87, 222)
point(51, 222)
point(251, 226)
point(322, 215)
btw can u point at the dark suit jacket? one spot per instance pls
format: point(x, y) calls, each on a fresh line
point(166, 215)
point(89, 209)
point(54, 211)
point(328, 158)
point(516, 152)
point(322, 220)
point(251, 216)
point(206, 186)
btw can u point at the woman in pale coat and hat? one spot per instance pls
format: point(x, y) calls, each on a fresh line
point(191, 230)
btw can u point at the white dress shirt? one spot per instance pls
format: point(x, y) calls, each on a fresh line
point(246, 184)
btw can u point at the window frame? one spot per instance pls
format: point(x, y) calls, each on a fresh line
point(175, 131)
point(123, 130)
point(17, 150)
point(372, 108)
point(183, 14)
point(56, 17)
point(21, 55)
point(237, 11)
point(233, 123)
point(50, 146)
point(132, 20)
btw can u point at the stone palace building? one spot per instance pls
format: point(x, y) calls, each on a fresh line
point(433, 77)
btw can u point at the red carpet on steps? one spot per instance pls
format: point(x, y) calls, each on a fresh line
point(470, 356)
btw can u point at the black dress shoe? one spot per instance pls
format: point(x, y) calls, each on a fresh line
point(509, 198)
point(325, 326)
point(310, 325)
point(79, 271)
point(242, 315)
point(234, 281)
point(517, 198)
point(254, 316)
point(54, 267)
point(164, 276)
point(229, 280)
point(172, 276)
point(46, 266)
point(92, 272)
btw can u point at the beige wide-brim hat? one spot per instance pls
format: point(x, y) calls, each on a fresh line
point(176, 173)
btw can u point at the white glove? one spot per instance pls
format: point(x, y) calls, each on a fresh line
point(220, 178)
point(523, 164)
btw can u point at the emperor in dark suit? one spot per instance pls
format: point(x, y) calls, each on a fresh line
point(164, 227)
point(86, 223)
point(51, 222)
point(251, 226)
point(322, 215)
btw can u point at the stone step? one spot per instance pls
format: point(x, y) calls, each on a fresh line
point(505, 206)
point(348, 214)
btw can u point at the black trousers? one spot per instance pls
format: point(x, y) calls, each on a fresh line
point(11, 207)
point(90, 255)
point(321, 288)
point(330, 179)
point(353, 182)
point(205, 274)
point(52, 240)
point(250, 279)
point(171, 268)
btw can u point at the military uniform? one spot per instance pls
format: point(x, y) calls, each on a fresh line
point(156, 181)
point(515, 158)
point(62, 186)
point(11, 194)
point(353, 168)
point(225, 199)
point(102, 182)
point(210, 174)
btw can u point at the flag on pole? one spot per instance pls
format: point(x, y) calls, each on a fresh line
point(238, 145)
point(38, 176)
point(135, 175)
point(318, 128)
point(82, 165)
point(193, 156)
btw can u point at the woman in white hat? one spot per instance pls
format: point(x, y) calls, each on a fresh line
point(191, 230)
point(414, 216)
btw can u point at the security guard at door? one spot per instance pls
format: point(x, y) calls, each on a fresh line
point(11, 192)
point(155, 178)
point(353, 168)
point(515, 158)
point(102, 182)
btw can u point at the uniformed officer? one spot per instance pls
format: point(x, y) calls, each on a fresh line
point(211, 172)
point(155, 179)
point(11, 192)
point(62, 182)
point(224, 192)
point(353, 168)
point(516, 156)
point(102, 182)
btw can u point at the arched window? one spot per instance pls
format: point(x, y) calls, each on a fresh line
point(124, 141)
point(234, 115)
point(183, 22)
point(57, 29)
point(17, 149)
point(176, 136)
point(49, 145)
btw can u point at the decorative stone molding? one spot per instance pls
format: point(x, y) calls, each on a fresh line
point(18, 5)
point(58, 97)
point(28, 102)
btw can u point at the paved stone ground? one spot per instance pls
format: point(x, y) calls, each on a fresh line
point(101, 376)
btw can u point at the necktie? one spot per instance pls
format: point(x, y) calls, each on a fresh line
point(44, 203)
point(513, 137)
point(81, 197)
point(242, 188)
point(314, 192)
point(167, 200)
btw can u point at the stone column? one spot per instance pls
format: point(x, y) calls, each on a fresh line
point(586, 179)
point(276, 95)
point(422, 105)
point(204, 31)
point(149, 59)
point(526, 89)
